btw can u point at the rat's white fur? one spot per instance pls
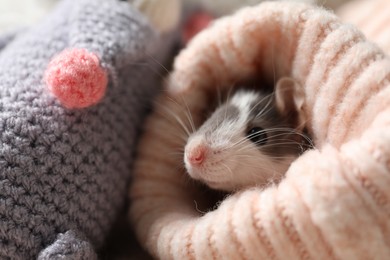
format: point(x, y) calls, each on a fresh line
point(231, 160)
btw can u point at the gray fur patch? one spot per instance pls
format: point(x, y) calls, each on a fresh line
point(226, 112)
point(280, 135)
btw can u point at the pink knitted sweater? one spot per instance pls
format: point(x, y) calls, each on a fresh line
point(334, 202)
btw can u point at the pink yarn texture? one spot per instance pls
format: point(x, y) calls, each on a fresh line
point(334, 202)
point(76, 78)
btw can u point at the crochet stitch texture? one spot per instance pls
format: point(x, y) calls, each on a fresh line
point(63, 172)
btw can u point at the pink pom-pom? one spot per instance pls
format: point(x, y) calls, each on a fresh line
point(76, 78)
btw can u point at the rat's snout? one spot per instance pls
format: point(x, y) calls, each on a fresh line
point(196, 152)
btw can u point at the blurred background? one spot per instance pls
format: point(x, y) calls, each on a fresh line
point(21, 13)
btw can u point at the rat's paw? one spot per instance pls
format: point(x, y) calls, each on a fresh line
point(76, 78)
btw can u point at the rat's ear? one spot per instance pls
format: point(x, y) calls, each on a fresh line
point(289, 99)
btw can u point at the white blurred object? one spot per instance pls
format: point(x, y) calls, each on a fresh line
point(164, 15)
point(20, 13)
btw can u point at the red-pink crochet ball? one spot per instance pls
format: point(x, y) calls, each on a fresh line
point(76, 78)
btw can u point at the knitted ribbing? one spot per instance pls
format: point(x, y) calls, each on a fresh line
point(67, 170)
point(372, 17)
point(333, 202)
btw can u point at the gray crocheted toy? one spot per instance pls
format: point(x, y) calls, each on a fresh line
point(64, 170)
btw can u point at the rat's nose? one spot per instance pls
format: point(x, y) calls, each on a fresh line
point(196, 154)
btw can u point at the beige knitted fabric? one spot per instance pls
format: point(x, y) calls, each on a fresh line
point(334, 202)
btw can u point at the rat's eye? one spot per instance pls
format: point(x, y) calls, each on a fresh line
point(257, 135)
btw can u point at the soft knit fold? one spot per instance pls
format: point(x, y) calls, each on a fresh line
point(333, 202)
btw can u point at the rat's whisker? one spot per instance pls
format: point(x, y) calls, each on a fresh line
point(178, 120)
point(157, 62)
point(294, 131)
point(228, 168)
point(219, 97)
point(181, 134)
point(261, 101)
point(189, 117)
point(176, 153)
point(264, 111)
point(258, 168)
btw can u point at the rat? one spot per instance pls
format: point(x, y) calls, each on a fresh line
point(249, 140)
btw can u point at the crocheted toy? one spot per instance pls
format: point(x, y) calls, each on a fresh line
point(75, 76)
point(74, 90)
point(333, 202)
